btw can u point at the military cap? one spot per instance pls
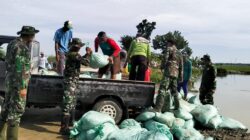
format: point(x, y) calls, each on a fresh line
point(77, 41)
point(28, 30)
point(206, 57)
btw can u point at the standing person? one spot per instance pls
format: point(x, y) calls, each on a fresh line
point(139, 54)
point(71, 77)
point(187, 73)
point(62, 38)
point(172, 66)
point(42, 62)
point(109, 47)
point(208, 81)
point(18, 68)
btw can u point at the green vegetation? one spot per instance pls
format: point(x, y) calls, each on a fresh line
point(51, 59)
point(235, 68)
point(181, 43)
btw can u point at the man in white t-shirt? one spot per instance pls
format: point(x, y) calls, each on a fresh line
point(42, 62)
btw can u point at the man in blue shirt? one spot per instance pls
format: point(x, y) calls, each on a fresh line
point(62, 38)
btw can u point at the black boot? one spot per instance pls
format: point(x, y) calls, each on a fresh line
point(65, 125)
point(176, 103)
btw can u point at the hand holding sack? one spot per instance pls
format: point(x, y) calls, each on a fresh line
point(98, 60)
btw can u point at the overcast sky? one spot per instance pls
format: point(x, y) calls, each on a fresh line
point(220, 28)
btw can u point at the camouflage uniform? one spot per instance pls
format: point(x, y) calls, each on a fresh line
point(71, 77)
point(208, 84)
point(172, 65)
point(17, 78)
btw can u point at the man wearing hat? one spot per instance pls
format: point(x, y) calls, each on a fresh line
point(62, 38)
point(17, 77)
point(208, 82)
point(71, 77)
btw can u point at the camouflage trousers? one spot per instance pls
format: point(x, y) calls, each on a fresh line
point(206, 97)
point(69, 96)
point(168, 89)
point(14, 104)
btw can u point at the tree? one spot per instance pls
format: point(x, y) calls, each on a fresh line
point(126, 41)
point(2, 54)
point(160, 40)
point(145, 28)
point(188, 50)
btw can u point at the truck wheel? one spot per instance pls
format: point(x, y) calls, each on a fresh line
point(110, 107)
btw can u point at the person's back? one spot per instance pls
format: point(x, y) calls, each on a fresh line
point(73, 64)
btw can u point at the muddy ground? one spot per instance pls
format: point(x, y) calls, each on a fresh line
point(41, 124)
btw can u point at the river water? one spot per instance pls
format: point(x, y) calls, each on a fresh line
point(232, 97)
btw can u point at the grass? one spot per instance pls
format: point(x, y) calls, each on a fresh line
point(156, 74)
point(235, 68)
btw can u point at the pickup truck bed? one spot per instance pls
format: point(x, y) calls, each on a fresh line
point(121, 95)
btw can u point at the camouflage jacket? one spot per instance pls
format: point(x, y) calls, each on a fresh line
point(73, 64)
point(208, 81)
point(172, 63)
point(18, 63)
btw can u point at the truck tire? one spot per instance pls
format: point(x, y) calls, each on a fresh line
point(111, 107)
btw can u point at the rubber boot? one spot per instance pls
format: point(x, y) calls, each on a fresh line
point(159, 103)
point(176, 103)
point(3, 128)
point(65, 125)
point(12, 132)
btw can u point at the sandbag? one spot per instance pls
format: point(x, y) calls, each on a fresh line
point(194, 100)
point(183, 114)
point(203, 113)
point(85, 76)
point(214, 122)
point(98, 60)
point(125, 134)
point(231, 124)
point(178, 123)
point(189, 124)
point(102, 131)
point(90, 120)
point(187, 106)
point(129, 123)
point(165, 118)
point(150, 135)
point(145, 116)
point(152, 125)
point(187, 134)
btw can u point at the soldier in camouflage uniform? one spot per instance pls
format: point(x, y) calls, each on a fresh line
point(172, 65)
point(71, 77)
point(208, 82)
point(17, 77)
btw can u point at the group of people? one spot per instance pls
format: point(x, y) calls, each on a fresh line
point(69, 63)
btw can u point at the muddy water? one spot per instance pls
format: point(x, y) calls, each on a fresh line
point(232, 97)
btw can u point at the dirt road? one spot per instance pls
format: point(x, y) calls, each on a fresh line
point(41, 124)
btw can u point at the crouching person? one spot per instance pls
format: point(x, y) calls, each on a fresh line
point(208, 82)
point(71, 77)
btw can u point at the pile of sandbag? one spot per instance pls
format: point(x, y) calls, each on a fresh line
point(47, 72)
point(98, 126)
point(155, 126)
